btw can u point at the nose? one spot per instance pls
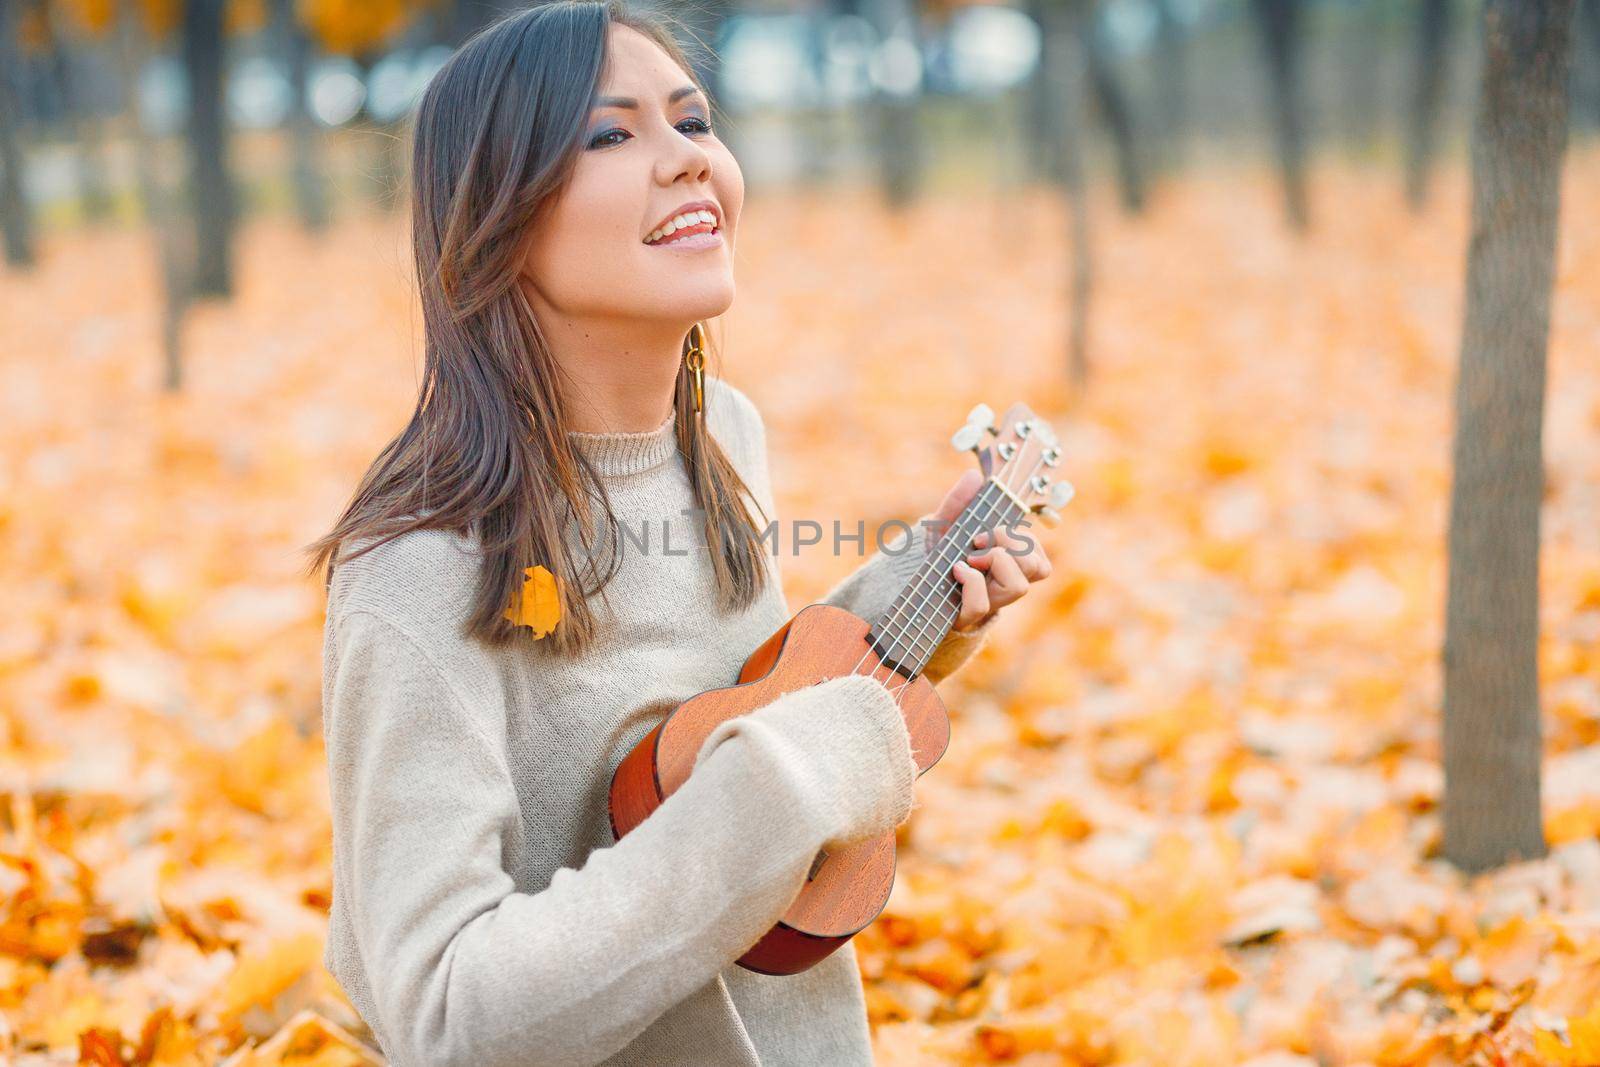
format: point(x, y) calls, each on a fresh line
point(682, 157)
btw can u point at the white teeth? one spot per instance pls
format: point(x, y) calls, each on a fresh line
point(679, 222)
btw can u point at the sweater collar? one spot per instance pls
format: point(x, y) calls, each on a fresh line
point(617, 454)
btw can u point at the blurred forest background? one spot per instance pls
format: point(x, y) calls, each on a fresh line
point(1294, 761)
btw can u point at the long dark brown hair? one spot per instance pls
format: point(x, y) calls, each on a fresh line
point(496, 136)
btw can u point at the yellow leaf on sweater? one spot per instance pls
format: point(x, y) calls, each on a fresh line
point(539, 604)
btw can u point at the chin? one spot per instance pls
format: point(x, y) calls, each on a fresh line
point(699, 302)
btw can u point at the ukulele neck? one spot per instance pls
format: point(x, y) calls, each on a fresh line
point(907, 634)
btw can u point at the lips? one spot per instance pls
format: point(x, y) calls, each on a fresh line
point(686, 209)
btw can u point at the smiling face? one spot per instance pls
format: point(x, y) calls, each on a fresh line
point(649, 150)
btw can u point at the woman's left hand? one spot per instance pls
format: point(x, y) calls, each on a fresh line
point(992, 575)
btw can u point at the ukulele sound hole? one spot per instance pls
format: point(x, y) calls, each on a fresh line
point(816, 864)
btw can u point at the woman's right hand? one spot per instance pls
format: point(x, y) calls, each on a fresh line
point(845, 743)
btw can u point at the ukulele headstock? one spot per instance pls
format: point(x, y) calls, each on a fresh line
point(1022, 454)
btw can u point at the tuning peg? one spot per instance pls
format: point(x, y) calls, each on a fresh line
point(980, 420)
point(1060, 493)
point(967, 438)
point(1049, 516)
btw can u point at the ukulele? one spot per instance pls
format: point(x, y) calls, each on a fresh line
point(845, 890)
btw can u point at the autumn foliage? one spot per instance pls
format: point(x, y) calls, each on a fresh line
point(344, 27)
point(1188, 815)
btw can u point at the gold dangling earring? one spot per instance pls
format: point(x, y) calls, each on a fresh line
point(695, 360)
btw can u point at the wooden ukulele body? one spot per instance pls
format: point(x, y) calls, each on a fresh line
point(847, 889)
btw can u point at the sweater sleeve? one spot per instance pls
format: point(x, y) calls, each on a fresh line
point(463, 969)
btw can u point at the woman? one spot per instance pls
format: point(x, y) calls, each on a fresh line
point(482, 914)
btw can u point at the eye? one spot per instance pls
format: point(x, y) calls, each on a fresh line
point(599, 140)
point(603, 140)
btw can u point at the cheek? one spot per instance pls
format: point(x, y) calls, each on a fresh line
point(603, 203)
point(728, 181)
point(581, 246)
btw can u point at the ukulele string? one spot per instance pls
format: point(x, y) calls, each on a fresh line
point(904, 616)
point(896, 630)
point(944, 601)
point(897, 626)
point(911, 613)
point(998, 508)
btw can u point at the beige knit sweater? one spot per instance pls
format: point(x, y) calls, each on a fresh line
point(482, 915)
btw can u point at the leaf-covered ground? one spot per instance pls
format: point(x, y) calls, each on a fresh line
point(1188, 815)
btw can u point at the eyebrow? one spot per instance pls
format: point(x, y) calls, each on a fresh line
point(630, 103)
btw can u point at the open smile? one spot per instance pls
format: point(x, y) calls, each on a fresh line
point(694, 225)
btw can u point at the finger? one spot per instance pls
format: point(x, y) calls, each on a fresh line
point(1036, 565)
point(1006, 582)
point(1004, 537)
point(974, 594)
point(1034, 562)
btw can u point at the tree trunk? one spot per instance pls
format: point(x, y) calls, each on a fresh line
point(79, 118)
point(1363, 94)
point(16, 216)
point(210, 191)
point(1433, 55)
point(1589, 29)
point(1281, 24)
point(1116, 112)
point(386, 142)
point(895, 114)
point(467, 18)
point(1492, 743)
point(132, 48)
point(305, 140)
point(175, 245)
point(1041, 104)
point(1172, 53)
point(1062, 70)
point(818, 130)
